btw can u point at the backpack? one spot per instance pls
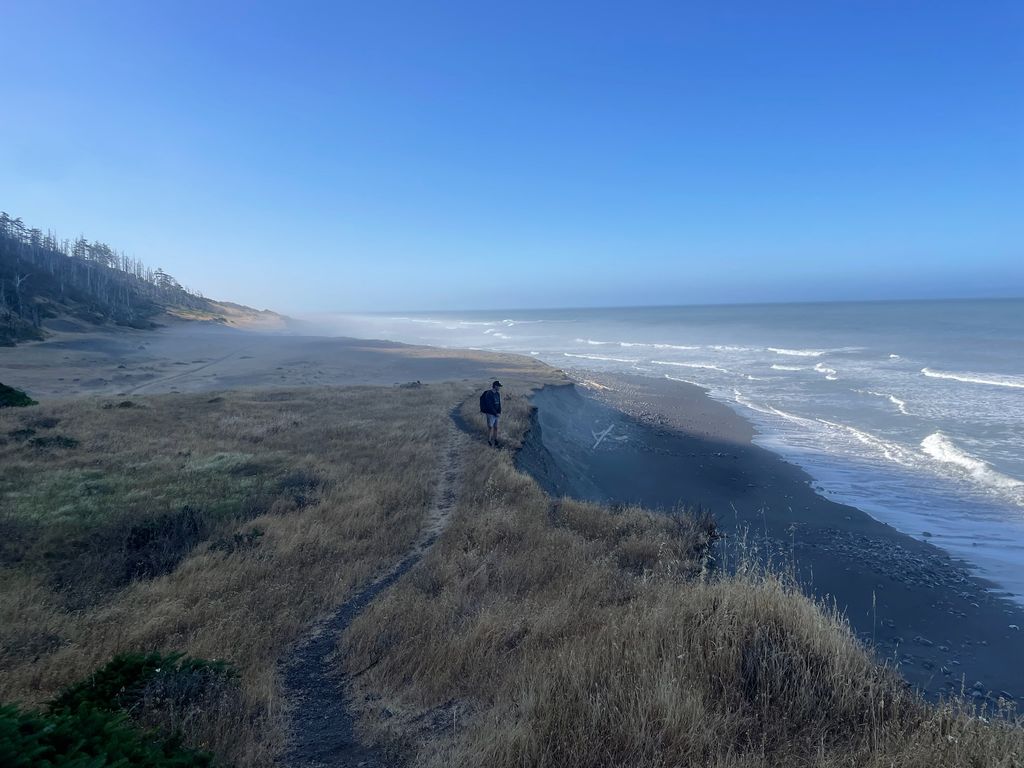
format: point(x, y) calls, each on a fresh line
point(485, 402)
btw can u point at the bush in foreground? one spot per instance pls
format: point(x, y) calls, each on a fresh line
point(14, 398)
point(85, 738)
point(130, 712)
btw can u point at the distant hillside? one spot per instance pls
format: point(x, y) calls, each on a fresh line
point(46, 283)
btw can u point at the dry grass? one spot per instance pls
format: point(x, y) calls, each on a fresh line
point(534, 633)
point(324, 489)
point(541, 634)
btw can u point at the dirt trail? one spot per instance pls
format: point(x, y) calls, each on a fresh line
point(164, 380)
point(322, 718)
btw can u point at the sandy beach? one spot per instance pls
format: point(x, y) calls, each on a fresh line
point(189, 357)
point(630, 439)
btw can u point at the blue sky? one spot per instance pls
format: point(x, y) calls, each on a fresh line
point(351, 156)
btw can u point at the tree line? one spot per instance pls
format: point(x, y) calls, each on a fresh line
point(41, 275)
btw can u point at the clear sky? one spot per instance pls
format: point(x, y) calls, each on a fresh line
point(426, 155)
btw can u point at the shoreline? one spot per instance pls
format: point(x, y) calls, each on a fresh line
point(613, 438)
point(619, 438)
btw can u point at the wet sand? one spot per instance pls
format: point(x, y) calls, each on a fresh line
point(664, 444)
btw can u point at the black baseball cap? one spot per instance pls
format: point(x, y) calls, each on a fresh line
point(496, 384)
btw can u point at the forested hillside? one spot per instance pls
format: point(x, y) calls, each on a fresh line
point(43, 278)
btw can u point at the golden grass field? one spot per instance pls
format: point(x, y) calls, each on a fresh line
point(535, 632)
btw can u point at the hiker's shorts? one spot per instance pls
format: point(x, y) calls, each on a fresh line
point(492, 420)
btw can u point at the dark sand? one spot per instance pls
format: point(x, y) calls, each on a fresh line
point(630, 439)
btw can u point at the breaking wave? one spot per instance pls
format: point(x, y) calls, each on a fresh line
point(830, 373)
point(901, 405)
point(598, 343)
point(684, 381)
point(798, 352)
point(705, 366)
point(942, 449)
point(599, 357)
point(1015, 382)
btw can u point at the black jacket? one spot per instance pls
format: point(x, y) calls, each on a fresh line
point(490, 403)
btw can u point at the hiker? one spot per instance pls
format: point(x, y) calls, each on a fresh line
point(490, 407)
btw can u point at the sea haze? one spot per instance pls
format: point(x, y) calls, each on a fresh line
point(912, 411)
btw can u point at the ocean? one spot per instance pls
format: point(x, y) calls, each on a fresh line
point(911, 411)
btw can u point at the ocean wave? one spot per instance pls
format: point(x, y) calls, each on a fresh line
point(599, 357)
point(894, 357)
point(510, 323)
point(830, 373)
point(900, 404)
point(730, 348)
point(659, 346)
point(798, 352)
point(598, 343)
point(704, 366)
point(684, 381)
point(891, 451)
point(421, 320)
point(788, 368)
point(942, 449)
point(770, 410)
point(1015, 382)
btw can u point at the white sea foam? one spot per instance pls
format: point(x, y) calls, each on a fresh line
point(684, 381)
point(705, 366)
point(596, 342)
point(894, 357)
point(730, 348)
point(659, 346)
point(901, 405)
point(770, 410)
point(890, 451)
point(798, 352)
point(1015, 382)
point(788, 368)
point(599, 357)
point(421, 320)
point(941, 448)
point(830, 373)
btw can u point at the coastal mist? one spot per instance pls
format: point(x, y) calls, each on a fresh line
point(911, 411)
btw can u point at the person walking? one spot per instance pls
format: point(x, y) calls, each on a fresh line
point(490, 407)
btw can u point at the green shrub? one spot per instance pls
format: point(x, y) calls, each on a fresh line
point(87, 737)
point(14, 398)
point(117, 717)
